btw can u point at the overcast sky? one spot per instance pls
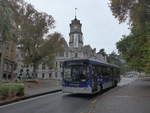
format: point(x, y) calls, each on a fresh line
point(100, 28)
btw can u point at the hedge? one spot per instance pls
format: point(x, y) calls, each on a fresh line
point(11, 90)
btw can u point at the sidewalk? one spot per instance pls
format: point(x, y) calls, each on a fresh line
point(34, 89)
point(42, 86)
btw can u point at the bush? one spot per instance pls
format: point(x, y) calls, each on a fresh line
point(11, 90)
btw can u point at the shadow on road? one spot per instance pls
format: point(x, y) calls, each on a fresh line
point(86, 96)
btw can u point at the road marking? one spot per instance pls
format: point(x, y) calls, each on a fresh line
point(27, 100)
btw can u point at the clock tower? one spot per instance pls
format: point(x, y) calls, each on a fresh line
point(76, 36)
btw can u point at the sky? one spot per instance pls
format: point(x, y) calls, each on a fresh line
point(100, 28)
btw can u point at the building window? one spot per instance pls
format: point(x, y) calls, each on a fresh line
point(9, 76)
point(61, 54)
point(11, 67)
point(76, 55)
point(43, 75)
point(21, 70)
point(22, 66)
point(56, 74)
point(60, 64)
point(4, 76)
point(66, 54)
point(27, 66)
point(50, 75)
point(5, 67)
point(56, 64)
point(43, 66)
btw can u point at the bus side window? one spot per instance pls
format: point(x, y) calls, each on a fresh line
point(88, 69)
point(103, 71)
point(106, 71)
point(109, 71)
point(98, 70)
point(114, 72)
point(91, 69)
point(95, 70)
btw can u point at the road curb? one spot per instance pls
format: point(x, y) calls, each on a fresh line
point(28, 97)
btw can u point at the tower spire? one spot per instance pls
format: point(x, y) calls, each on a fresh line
point(75, 13)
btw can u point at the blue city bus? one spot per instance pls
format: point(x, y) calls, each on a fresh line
point(85, 76)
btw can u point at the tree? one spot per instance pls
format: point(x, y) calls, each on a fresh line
point(34, 26)
point(137, 11)
point(118, 60)
point(44, 53)
point(113, 58)
point(31, 27)
point(134, 47)
point(102, 51)
point(131, 47)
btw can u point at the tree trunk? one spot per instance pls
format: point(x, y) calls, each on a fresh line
point(2, 60)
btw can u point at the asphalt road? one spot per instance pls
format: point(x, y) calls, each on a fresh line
point(130, 98)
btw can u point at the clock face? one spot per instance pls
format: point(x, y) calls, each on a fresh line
point(75, 27)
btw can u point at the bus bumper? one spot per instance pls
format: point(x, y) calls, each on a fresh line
point(77, 90)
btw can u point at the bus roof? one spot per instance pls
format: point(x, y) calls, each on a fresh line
point(94, 62)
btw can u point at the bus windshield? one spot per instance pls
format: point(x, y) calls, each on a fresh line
point(75, 74)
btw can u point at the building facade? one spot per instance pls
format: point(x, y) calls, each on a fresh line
point(25, 72)
point(76, 48)
point(9, 57)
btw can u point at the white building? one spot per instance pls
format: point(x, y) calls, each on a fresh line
point(75, 50)
point(24, 71)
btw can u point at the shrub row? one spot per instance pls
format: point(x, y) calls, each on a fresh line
point(11, 90)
